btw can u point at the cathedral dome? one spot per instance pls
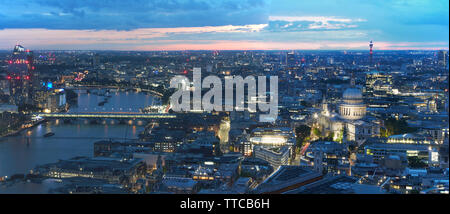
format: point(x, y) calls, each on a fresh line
point(352, 107)
point(352, 94)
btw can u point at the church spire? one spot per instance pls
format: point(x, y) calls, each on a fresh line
point(352, 80)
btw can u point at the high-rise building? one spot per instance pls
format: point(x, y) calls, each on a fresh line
point(443, 58)
point(20, 75)
point(290, 59)
point(95, 60)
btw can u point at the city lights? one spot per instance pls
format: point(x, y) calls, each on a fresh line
point(233, 100)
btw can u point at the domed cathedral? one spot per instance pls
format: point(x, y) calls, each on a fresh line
point(352, 107)
point(350, 123)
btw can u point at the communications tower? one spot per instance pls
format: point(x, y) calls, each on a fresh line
point(371, 52)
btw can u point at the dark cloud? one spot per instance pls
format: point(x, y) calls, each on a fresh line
point(127, 15)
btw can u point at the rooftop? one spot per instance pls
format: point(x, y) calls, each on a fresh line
point(352, 94)
point(397, 146)
point(286, 177)
point(341, 184)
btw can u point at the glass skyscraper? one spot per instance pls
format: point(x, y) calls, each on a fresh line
point(20, 75)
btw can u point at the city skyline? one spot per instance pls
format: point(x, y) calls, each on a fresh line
point(225, 25)
point(240, 97)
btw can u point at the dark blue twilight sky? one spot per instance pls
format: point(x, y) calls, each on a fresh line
point(224, 24)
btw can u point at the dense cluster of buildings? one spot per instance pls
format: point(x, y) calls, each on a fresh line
point(23, 90)
point(372, 123)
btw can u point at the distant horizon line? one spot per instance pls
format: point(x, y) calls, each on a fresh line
point(437, 49)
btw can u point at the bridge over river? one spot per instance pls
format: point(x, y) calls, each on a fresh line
point(100, 115)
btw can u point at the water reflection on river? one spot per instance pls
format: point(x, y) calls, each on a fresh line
point(71, 139)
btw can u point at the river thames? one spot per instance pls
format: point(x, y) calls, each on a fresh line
point(22, 153)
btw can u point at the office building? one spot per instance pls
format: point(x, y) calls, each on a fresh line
point(20, 74)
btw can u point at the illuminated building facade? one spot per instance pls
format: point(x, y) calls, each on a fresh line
point(276, 156)
point(273, 137)
point(378, 81)
point(56, 101)
point(291, 60)
point(410, 138)
point(49, 99)
point(381, 150)
point(352, 107)
point(273, 144)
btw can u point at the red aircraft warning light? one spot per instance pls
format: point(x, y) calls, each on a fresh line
point(8, 77)
point(27, 77)
point(17, 78)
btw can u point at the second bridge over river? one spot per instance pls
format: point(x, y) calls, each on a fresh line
point(100, 115)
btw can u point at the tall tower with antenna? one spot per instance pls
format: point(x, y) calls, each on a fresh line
point(371, 52)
